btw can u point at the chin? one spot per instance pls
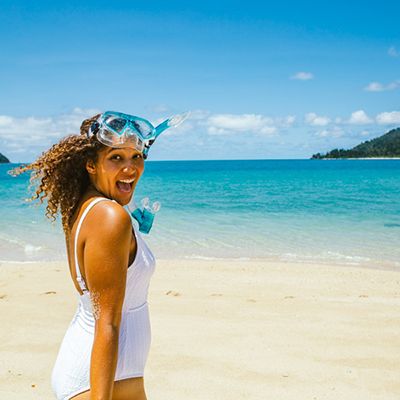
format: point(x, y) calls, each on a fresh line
point(125, 200)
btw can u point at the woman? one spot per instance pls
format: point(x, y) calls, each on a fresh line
point(89, 178)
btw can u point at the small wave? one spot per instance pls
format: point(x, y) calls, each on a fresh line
point(391, 225)
point(30, 248)
point(199, 257)
point(209, 258)
point(327, 257)
point(11, 240)
point(15, 245)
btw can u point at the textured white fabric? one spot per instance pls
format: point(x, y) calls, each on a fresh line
point(71, 372)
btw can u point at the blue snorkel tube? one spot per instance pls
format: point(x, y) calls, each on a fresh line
point(145, 215)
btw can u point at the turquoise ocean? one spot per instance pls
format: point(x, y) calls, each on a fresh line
point(343, 212)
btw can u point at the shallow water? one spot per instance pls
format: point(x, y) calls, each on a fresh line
point(342, 211)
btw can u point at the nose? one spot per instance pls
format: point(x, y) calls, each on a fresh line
point(129, 167)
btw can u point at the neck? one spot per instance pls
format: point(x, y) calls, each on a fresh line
point(92, 190)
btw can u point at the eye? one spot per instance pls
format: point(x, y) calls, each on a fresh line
point(116, 157)
point(139, 155)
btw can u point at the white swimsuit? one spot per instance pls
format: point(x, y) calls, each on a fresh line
point(71, 372)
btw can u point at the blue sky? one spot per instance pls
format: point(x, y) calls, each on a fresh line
point(262, 80)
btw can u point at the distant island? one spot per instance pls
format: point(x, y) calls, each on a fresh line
point(385, 146)
point(3, 159)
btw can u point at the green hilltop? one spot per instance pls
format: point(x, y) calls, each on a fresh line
point(387, 145)
point(3, 159)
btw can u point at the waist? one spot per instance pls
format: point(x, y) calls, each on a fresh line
point(87, 311)
point(135, 309)
point(85, 319)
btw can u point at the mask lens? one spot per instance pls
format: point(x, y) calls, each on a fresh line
point(143, 128)
point(107, 137)
point(131, 137)
point(117, 124)
point(128, 139)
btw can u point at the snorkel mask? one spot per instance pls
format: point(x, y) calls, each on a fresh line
point(115, 129)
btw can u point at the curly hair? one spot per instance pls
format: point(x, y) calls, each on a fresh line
point(60, 175)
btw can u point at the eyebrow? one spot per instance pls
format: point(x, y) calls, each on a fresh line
point(112, 149)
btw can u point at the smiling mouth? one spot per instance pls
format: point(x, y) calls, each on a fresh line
point(125, 185)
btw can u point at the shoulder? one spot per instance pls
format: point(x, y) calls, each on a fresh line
point(108, 218)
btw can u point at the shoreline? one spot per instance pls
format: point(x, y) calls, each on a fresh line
point(378, 265)
point(293, 330)
point(357, 158)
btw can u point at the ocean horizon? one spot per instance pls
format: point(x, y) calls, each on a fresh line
point(342, 212)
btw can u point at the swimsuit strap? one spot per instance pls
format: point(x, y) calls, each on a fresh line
point(79, 278)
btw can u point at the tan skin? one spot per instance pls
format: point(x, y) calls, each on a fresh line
point(106, 247)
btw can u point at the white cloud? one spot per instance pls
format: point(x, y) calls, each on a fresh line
point(223, 124)
point(316, 120)
point(34, 134)
point(290, 119)
point(5, 120)
point(379, 87)
point(198, 114)
point(388, 118)
point(374, 87)
point(393, 52)
point(302, 76)
point(393, 85)
point(287, 121)
point(23, 138)
point(28, 128)
point(230, 124)
point(359, 117)
point(335, 132)
point(241, 122)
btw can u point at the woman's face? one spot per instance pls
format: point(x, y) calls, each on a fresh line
point(116, 172)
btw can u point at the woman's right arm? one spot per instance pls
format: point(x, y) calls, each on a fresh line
point(106, 258)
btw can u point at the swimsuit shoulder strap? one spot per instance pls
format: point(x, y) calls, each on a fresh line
point(79, 278)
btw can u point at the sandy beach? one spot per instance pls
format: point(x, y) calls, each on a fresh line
point(224, 330)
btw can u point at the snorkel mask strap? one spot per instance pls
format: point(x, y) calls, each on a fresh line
point(93, 129)
point(147, 148)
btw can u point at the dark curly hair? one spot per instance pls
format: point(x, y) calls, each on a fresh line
point(59, 174)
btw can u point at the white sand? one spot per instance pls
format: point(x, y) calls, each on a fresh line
point(224, 330)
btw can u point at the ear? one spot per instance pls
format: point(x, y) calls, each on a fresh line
point(90, 167)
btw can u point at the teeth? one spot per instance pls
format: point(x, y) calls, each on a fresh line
point(127, 180)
